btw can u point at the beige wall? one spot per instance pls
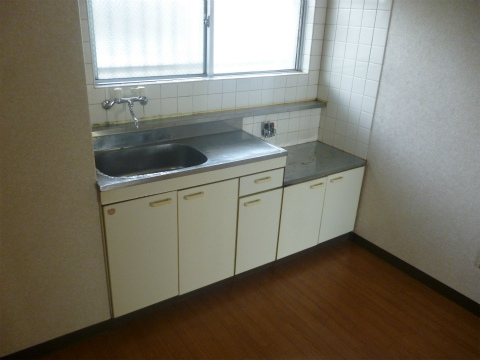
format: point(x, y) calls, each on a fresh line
point(421, 196)
point(52, 270)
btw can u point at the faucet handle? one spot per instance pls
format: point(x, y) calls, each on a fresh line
point(138, 91)
point(118, 93)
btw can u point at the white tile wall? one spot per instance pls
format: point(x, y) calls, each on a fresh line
point(352, 58)
point(187, 97)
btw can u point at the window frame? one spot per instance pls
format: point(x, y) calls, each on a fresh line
point(208, 45)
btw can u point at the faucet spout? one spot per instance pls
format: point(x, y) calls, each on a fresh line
point(130, 107)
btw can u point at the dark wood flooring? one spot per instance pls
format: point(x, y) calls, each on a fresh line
point(336, 302)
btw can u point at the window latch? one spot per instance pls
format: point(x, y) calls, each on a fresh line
point(206, 21)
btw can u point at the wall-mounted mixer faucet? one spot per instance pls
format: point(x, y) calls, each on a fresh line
point(141, 98)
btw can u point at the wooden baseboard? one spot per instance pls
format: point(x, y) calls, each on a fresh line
point(419, 275)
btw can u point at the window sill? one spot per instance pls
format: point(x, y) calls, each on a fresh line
point(120, 83)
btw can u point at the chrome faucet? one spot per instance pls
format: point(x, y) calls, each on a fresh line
point(130, 107)
point(141, 98)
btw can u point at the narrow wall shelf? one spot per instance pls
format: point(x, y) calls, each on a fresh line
point(118, 128)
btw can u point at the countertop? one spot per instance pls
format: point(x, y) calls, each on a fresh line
point(315, 160)
point(226, 145)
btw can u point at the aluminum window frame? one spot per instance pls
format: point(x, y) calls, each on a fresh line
point(208, 46)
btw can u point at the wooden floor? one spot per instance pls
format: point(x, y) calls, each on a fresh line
point(337, 302)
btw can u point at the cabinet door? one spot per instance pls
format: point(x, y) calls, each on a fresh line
point(258, 219)
point(142, 251)
point(301, 216)
point(207, 218)
point(341, 202)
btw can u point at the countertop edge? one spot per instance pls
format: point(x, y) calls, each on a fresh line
point(321, 175)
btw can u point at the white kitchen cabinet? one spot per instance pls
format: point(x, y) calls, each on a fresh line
point(301, 216)
point(341, 203)
point(207, 219)
point(141, 240)
point(258, 220)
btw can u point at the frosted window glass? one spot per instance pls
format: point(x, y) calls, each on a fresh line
point(255, 35)
point(147, 38)
point(138, 39)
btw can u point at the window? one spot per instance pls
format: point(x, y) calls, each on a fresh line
point(163, 39)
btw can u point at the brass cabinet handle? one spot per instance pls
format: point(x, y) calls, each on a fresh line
point(161, 202)
point(263, 180)
point(253, 202)
point(316, 186)
point(194, 196)
point(337, 179)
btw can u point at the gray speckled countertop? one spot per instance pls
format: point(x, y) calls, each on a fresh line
point(315, 160)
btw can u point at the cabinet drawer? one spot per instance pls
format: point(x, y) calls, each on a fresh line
point(261, 182)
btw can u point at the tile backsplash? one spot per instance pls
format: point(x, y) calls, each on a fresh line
point(295, 127)
point(352, 58)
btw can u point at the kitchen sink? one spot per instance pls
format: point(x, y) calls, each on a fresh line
point(149, 159)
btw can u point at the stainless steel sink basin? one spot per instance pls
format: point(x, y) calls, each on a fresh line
point(149, 159)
